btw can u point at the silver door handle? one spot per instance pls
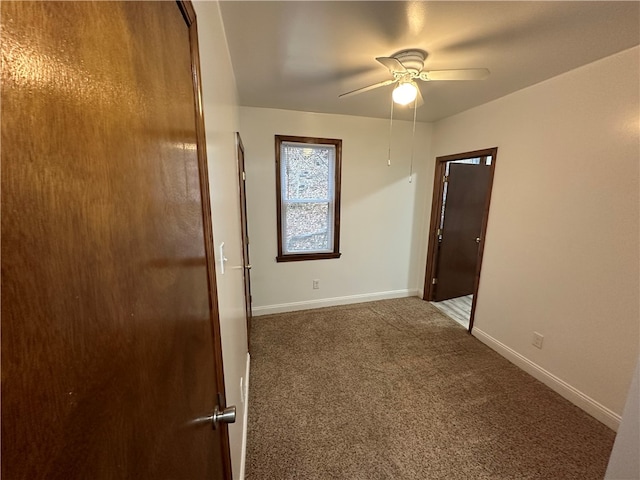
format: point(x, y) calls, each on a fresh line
point(248, 267)
point(477, 239)
point(228, 415)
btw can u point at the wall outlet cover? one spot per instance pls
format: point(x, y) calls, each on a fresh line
point(537, 340)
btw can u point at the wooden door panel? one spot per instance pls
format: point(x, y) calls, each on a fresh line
point(465, 205)
point(245, 236)
point(107, 347)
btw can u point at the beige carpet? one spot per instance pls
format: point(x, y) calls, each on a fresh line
point(395, 390)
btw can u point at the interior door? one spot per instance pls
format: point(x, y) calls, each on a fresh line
point(110, 344)
point(464, 211)
point(245, 235)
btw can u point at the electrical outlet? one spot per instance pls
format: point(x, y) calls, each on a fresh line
point(316, 284)
point(537, 340)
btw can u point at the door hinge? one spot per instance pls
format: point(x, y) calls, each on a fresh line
point(439, 231)
point(445, 179)
point(434, 281)
point(244, 176)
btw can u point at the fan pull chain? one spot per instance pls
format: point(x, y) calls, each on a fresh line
point(413, 138)
point(390, 128)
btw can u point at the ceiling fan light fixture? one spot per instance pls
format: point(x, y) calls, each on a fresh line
point(405, 93)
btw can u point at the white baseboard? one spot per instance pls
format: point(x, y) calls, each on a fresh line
point(331, 302)
point(575, 396)
point(243, 454)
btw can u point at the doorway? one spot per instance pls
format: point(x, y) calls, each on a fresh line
point(459, 214)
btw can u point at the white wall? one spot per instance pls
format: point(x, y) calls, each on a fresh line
point(221, 122)
point(381, 212)
point(624, 461)
point(562, 246)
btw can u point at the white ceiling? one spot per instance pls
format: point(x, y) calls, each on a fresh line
point(300, 55)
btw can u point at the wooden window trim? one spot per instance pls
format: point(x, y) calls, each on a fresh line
point(294, 257)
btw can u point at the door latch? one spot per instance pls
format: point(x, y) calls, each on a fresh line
point(228, 415)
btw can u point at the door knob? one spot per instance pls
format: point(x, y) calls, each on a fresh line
point(228, 415)
point(248, 267)
point(477, 239)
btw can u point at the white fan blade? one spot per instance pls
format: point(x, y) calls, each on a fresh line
point(370, 87)
point(463, 74)
point(393, 64)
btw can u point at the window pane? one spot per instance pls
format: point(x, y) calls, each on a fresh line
point(307, 171)
point(472, 161)
point(308, 187)
point(307, 227)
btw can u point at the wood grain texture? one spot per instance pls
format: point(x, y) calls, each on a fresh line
point(107, 311)
point(207, 221)
point(464, 211)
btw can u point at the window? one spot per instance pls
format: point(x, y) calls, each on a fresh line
point(308, 188)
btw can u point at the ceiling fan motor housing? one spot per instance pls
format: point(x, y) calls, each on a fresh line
point(413, 60)
point(406, 67)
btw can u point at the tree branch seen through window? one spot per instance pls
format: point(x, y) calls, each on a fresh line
point(308, 188)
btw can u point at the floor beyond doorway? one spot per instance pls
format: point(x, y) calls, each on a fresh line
point(458, 309)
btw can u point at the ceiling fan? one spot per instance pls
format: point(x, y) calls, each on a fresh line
point(406, 67)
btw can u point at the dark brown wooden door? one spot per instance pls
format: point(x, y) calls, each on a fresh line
point(465, 205)
point(245, 235)
point(110, 352)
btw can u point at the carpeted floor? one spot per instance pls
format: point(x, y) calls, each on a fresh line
point(396, 390)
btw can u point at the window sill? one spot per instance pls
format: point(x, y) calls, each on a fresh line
point(298, 257)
